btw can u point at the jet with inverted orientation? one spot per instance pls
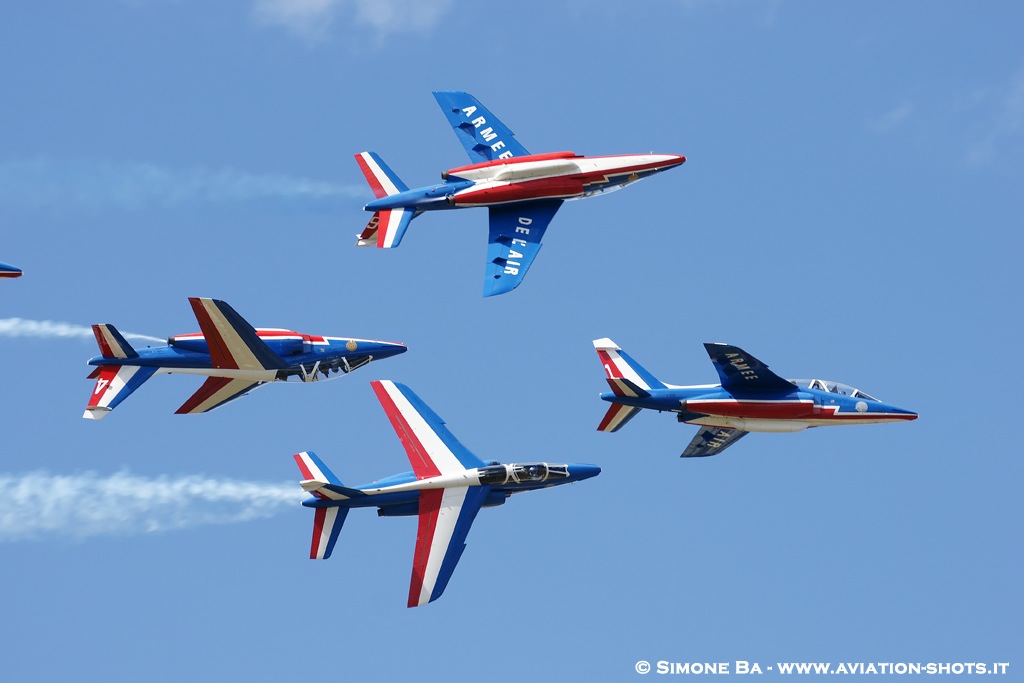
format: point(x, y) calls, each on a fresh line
point(446, 489)
point(751, 398)
point(521, 190)
point(233, 355)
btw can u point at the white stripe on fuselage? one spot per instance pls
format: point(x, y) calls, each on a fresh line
point(553, 168)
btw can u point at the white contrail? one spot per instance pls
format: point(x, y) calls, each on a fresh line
point(19, 327)
point(40, 504)
point(43, 182)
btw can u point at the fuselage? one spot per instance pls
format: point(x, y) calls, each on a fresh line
point(558, 175)
point(10, 271)
point(806, 405)
point(307, 356)
point(398, 495)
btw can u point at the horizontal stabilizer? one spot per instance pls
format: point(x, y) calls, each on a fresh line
point(616, 417)
point(712, 441)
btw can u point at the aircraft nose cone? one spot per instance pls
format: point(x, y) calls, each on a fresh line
point(9, 270)
point(581, 472)
point(903, 413)
point(388, 349)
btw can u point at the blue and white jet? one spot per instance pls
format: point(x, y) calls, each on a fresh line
point(751, 398)
point(233, 355)
point(522, 190)
point(446, 489)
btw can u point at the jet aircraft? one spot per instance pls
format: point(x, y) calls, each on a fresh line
point(446, 489)
point(235, 357)
point(521, 190)
point(9, 271)
point(751, 398)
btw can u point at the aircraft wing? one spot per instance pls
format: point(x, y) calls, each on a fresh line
point(712, 441)
point(233, 342)
point(484, 136)
point(445, 516)
point(431, 448)
point(741, 371)
point(215, 392)
point(513, 242)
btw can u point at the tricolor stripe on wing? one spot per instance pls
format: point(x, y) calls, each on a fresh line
point(425, 443)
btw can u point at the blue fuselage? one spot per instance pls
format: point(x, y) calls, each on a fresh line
point(800, 407)
point(406, 502)
point(301, 353)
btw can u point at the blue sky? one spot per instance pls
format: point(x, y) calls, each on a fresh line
point(850, 208)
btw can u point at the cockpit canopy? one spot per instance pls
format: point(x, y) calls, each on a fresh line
point(833, 388)
point(525, 473)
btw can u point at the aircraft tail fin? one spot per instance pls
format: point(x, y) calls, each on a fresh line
point(111, 343)
point(323, 484)
point(625, 376)
point(386, 229)
point(382, 179)
point(114, 383)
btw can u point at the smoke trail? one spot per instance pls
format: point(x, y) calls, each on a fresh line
point(19, 327)
point(42, 182)
point(40, 504)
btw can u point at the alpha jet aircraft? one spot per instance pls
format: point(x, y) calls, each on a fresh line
point(9, 271)
point(446, 489)
point(235, 357)
point(751, 398)
point(522, 190)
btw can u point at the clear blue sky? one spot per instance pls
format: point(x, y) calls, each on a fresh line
point(850, 208)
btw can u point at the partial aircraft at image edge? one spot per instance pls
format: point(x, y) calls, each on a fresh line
point(522, 191)
point(750, 398)
point(233, 355)
point(9, 271)
point(446, 489)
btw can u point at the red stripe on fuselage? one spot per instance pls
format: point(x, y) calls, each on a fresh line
point(525, 190)
point(422, 464)
point(430, 508)
point(772, 410)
